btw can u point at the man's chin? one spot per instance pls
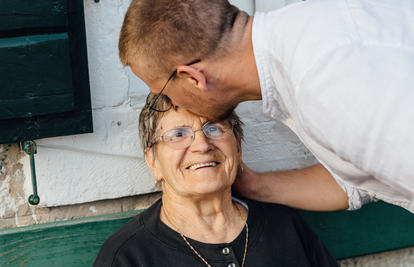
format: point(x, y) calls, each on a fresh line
point(213, 114)
point(222, 115)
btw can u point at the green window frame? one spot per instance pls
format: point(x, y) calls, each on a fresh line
point(44, 79)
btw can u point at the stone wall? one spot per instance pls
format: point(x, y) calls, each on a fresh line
point(398, 258)
point(15, 211)
point(13, 200)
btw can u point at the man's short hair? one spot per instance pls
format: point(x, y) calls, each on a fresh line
point(159, 35)
point(149, 121)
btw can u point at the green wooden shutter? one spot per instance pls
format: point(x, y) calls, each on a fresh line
point(44, 81)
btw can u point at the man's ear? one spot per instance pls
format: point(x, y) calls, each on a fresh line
point(150, 160)
point(193, 76)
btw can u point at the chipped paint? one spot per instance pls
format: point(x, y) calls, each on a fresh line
point(93, 209)
point(11, 180)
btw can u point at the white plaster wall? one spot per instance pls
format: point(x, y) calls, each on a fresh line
point(109, 163)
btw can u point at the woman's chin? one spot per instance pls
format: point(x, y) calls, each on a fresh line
point(206, 188)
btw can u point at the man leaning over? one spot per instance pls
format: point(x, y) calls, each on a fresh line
point(338, 73)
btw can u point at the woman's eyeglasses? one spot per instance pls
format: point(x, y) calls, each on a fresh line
point(182, 137)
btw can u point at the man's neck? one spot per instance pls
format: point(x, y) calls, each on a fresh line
point(244, 78)
point(253, 86)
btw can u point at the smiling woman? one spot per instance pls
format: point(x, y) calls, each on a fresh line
point(198, 221)
point(193, 162)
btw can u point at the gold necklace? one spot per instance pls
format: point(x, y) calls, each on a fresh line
point(195, 251)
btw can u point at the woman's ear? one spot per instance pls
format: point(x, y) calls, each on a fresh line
point(193, 76)
point(151, 162)
point(239, 151)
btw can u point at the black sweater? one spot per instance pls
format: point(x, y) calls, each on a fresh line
point(278, 236)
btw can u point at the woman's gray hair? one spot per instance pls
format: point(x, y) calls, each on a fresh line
point(149, 121)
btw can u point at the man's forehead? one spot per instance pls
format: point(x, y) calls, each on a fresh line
point(137, 70)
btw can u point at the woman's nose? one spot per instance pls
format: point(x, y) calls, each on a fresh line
point(200, 142)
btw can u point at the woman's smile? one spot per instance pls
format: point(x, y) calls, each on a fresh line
point(202, 165)
point(207, 165)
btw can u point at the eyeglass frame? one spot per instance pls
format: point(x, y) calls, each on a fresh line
point(160, 138)
point(151, 107)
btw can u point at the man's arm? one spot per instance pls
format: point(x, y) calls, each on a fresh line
point(312, 188)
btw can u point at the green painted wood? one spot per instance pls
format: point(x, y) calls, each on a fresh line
point(376, 227)
point(64, 244)
point(45, 226)
point(35, 106)
point(22, 16)
point(36, 76)
point(37, 57)
point(78, 119)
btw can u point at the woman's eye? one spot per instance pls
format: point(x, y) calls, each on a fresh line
point(178, 134)
point(214, 130)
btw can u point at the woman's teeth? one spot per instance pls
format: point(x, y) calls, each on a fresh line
point(196, 166)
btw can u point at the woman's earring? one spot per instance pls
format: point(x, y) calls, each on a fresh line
point(241, 166)
point(158, 184)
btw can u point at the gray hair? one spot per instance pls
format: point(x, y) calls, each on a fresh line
point(149, 121)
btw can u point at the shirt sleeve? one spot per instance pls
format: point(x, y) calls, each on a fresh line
point(356, 101)
point(357, 197)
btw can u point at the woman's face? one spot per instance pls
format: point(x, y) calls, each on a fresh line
point(206, 167)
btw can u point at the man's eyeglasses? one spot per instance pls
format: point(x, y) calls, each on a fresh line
point(182, 137)
point(150, 106)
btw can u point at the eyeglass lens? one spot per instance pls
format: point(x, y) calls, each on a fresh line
point(182, 137)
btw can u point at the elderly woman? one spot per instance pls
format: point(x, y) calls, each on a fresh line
point(198, 222)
